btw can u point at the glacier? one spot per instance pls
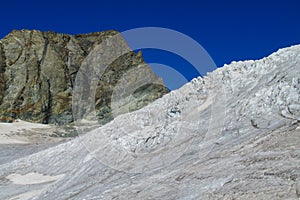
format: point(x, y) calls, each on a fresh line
point(233, 134)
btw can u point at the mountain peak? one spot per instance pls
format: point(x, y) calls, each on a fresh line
point(38, 71)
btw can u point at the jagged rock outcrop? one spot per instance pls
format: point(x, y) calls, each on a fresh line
point(38, 70)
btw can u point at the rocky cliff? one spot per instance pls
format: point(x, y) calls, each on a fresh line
point(38, 70)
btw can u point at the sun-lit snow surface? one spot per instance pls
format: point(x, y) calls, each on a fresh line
point(14, 133)
point(182, 146)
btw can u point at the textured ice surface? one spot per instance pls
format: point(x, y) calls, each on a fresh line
point(233, 134)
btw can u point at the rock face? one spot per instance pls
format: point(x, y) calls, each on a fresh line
point(233, 134)
point(38, 70)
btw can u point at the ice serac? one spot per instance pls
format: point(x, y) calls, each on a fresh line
point(252, 153)
point(38, 70)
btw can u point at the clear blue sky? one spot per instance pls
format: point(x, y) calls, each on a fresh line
point(228, 29)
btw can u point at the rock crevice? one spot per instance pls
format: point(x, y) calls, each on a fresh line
point(2, 72)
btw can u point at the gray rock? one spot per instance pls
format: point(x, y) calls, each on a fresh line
point(38, 70)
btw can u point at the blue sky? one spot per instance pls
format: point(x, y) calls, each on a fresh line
point(228, 29)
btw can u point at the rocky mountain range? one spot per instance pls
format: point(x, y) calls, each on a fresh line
point(38, 70)
point(233, 134)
